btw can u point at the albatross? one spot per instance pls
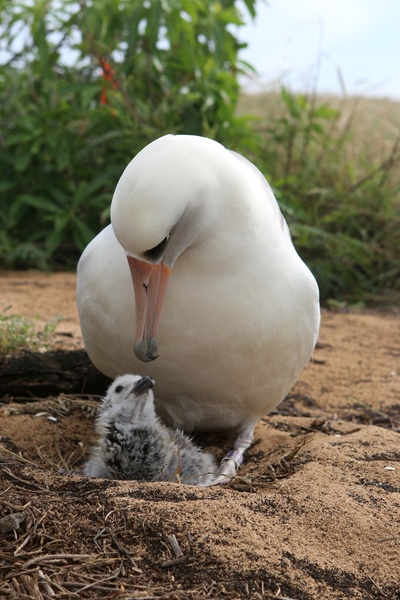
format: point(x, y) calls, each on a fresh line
point(197, 282)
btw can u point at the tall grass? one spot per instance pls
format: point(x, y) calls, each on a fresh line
point(335, 167)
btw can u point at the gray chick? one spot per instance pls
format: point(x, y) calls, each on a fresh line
point(133, 443)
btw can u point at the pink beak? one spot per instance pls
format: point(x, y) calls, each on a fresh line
point(149, 284)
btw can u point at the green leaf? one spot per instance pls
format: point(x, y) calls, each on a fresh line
point(63, 155)
point(22, 161)
point(251, 7)
point(82, 234)
point(44, 204)
point(326, 112)
point(18, 139)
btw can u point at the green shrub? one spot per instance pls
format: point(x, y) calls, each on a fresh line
point(92, 85)
point(338, 187)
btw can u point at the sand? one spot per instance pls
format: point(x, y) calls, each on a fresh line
point(315, 512)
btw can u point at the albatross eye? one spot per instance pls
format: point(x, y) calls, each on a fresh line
point(157, 251)
point(119, 389)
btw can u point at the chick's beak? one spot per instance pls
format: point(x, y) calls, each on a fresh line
point(142, 385)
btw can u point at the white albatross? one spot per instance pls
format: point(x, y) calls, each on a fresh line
point(197, 229)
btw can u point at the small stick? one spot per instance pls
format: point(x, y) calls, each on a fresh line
point(12, 475)
point(174, 562)
point(50, 558)
point(175, 546)
point(389, 538)
point(97, 583)
point(31, 586)
point(45, 583)
point(179, 556)
point(17, 456)
point(377, 587)
point(125, 553)
point(24, 543)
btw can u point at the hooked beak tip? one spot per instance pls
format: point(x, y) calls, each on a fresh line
point(146, 354)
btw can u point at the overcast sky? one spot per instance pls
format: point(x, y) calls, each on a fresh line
point(359, 37)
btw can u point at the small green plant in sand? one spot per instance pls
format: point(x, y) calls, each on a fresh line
point(20, 333)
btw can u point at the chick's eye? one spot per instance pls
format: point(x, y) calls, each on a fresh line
point(119, 389)
point(157, 251)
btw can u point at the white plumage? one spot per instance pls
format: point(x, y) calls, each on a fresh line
point(240, 316)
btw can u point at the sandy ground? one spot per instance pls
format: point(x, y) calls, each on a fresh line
point(315, 513)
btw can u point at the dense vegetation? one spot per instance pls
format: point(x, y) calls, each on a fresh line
point(85, 85)
point(335, 168)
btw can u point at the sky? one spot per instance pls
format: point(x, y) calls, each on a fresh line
point(293, 40)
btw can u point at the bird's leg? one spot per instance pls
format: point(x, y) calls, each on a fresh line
point(234, 458)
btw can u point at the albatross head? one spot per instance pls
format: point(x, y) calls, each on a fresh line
point(164, 202)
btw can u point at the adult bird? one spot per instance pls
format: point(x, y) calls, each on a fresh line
point(220, 296)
